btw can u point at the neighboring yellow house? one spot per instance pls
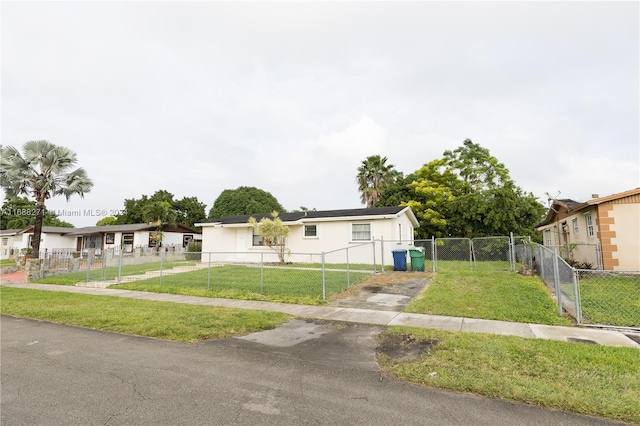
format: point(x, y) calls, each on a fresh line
point(604, 231)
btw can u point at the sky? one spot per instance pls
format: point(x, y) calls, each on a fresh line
point(195, 97)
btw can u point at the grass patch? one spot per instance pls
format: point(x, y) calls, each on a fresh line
point(107, 274)
point(612, 300)
point(7, 263)
point(594, 380)
point(163, 320)
point(288, 285)
point(488, 295)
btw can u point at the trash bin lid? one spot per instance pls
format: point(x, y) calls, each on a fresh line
point(398, 251)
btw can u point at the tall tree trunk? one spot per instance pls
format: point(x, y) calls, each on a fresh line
point(37, 230)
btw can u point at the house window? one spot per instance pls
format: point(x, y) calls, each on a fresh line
point(575, 226)
point(186, 240)
point(361, 232)
point(589, 225)
point(110, 238)
point(258, 240)
point(400, 231)
point(547, 237)
point(5, 241)
point(127, 242)
point(310, 230)
point(92, 242)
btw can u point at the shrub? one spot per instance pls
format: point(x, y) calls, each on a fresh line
point(194, 251)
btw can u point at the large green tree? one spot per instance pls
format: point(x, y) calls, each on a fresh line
point(18, 213)
point(244, 200)
point(187, 210)
point(43, 170)
point(374, 176)
point(466, 193)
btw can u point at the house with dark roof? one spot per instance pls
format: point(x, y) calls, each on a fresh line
point(131, 236)
point(98, 238)
point(14, 242)
point(311, 232)
point(604, 231)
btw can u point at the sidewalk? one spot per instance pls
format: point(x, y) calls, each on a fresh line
point(368, 316)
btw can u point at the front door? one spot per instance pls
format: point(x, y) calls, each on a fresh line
point(79, 244)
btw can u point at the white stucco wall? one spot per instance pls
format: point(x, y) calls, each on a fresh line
point(57, 241)
point(234, 242)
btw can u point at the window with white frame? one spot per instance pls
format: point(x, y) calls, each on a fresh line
point(547, 237)
point(361, 232)
point(5, 241)
point(258, 240)
point(589, 220)
point(311, 231)
point(400, 232)
point(575, 226)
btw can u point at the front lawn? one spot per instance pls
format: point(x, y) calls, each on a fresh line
point(108, 274)
point(594, 380)
point(288, 285)
point(501, 296)
point(611, 300)
point(163, 320)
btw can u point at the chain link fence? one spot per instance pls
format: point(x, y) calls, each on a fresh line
point(609, 297)
point(590, 296)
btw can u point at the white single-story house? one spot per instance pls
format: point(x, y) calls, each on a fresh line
point(14, 242)
point(312, 232)
point(131, 236)
point(127, 237)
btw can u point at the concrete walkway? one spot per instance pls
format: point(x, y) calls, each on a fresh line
point(370, 316)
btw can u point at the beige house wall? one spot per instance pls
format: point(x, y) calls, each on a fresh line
point(620, 236)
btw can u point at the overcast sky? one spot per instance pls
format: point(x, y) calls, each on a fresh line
point(198, 97)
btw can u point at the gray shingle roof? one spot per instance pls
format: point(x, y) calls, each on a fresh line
point(295, 216)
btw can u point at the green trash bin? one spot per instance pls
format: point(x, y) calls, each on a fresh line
point(417, 259)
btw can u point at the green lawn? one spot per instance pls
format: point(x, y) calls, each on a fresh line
point(289, 285)
point(164, 320)
point(594, 380)
point(7, 262)
point(110, 273)
point(488, 295)
point(611, 300)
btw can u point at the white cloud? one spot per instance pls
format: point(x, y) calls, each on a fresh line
point(198, 97)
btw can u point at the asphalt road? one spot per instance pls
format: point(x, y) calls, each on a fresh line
point(303, 373)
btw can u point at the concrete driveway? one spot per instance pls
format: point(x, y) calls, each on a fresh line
point(305, 372)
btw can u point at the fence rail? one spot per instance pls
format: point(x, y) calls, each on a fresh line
point(592, 297)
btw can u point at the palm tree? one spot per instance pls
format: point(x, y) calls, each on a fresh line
point(374, 175)
point(159, 213)
point(43, 171)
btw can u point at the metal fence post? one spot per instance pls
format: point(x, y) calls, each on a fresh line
point(161, 262)
point(261, 272)
point(576, 293)
point(348, 276)
point(471, 265)
point(209, 273)
point(556, 280)
point(120, 266)
point(435, 253)
point(375, 268)
point(512, 252)
point(324, 290)
point(88, 265)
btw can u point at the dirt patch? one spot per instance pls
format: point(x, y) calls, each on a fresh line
point(404, 347)
point(388, 291)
